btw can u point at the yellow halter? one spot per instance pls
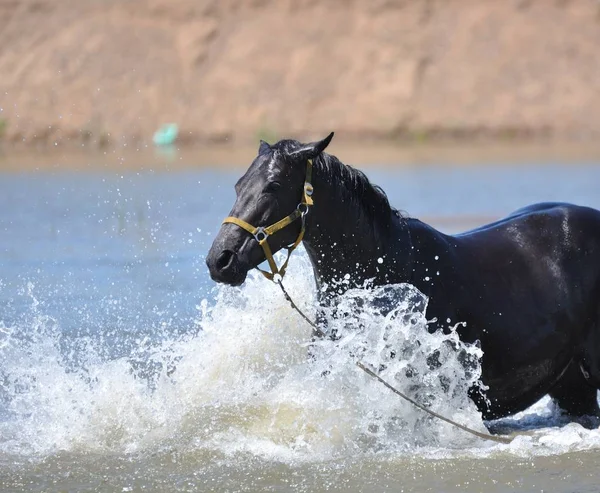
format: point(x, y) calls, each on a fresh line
point(261, 234)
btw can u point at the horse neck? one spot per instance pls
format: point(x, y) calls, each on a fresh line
point(343, 239)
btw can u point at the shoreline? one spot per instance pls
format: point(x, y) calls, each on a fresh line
point(226, 156)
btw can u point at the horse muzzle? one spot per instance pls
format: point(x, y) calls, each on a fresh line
point(225, 267)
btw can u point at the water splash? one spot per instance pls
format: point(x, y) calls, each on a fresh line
point(248, 380)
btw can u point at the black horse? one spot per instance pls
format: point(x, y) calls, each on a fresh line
point(527, 286)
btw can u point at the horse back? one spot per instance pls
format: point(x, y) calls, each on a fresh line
point(542, 261)
point(553, 232)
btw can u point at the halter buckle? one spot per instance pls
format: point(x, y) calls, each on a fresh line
point(302, 208)
point(308, 189)
point(260, 234)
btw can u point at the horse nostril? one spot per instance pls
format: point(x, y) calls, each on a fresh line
point(225, 259)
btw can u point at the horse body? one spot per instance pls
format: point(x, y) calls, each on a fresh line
point(527, 287)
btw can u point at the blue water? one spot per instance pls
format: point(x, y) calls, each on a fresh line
point(121, 255)
point(115, 261)
point(108, 252)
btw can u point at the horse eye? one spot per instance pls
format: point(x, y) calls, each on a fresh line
point(272, 187)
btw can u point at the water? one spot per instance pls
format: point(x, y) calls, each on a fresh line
point(123, 368)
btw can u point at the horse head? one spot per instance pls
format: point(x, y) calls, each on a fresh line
point(272, 198)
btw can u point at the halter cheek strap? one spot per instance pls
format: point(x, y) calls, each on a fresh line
point(261, 234)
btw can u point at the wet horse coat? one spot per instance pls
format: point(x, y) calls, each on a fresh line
point(527, 286)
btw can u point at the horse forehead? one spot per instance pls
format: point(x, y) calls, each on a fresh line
point(265, 167)
point(256, 169)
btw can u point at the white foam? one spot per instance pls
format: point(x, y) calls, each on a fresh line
point(247, 384)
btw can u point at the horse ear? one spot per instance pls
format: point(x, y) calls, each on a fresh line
point(312, 150)
point(263, 147)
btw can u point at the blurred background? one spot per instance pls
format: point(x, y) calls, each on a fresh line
point(109, 73)
point(124, 125)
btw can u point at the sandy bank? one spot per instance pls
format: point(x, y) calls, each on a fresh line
point(106, 73)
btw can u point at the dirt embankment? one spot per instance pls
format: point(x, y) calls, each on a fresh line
point(109, 72)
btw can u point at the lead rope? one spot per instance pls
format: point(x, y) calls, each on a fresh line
point(319, 333)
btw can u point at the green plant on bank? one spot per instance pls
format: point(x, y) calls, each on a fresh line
point(410, 135)
point(103, 140)
point(3, 127)
point(95, 133)
point(267, 134)
point(420, 136)
point(509, 133)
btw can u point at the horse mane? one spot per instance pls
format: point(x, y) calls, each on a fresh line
point(357, 188)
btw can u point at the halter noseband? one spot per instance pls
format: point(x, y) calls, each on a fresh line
point(261, 234)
